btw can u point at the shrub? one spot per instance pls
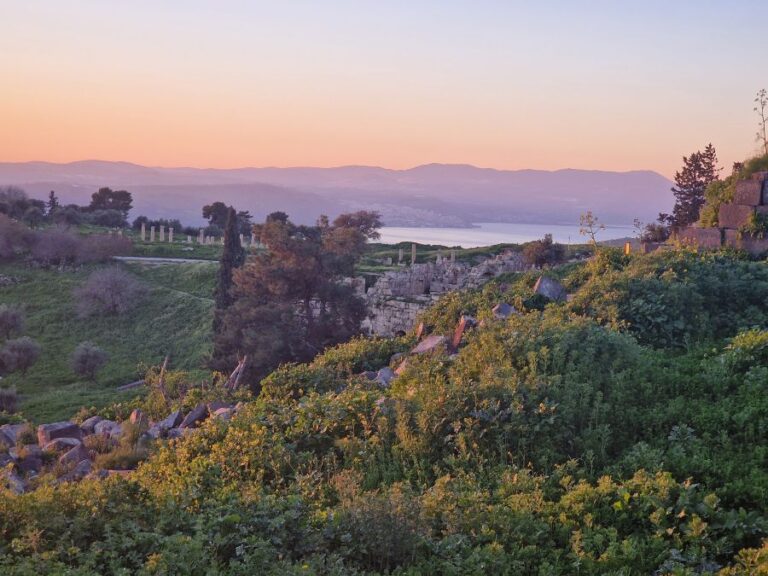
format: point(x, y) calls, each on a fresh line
point(15, 238)
point(87, 360)
point(11, 321)
point(543, 252)
point(121, 458)
point(56, 247)
point(109, 291)
point(19, 355)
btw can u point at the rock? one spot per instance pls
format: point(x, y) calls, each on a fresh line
point(170, 421)
point(748, 193)
point(154, 432)
point(89, 424)
point(239, 406)
point(369, 375)
point(397, 357)
point(12, 431)
point(5, 441)
point(198, 414)
point(177, 432)
point(108, 428)
point(502, 311)
point(48, 432)
point(14, 482)
point(402, 367)
point(224, 414)
point(61, 444)
point(216, 404)
point(30, 463)
point(734, 215)
point(138, 417)
point(80, 471)
point(74, 455)
point(385, 376)
point(550, 288)
point(430, 344)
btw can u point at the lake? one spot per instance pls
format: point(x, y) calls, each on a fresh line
point(489, 233)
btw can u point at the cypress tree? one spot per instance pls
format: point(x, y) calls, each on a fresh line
point(232, 257)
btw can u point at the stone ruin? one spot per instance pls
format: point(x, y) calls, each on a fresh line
point(750, 198)
point(398, 297)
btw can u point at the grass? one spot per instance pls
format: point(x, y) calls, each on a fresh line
point(174, 319)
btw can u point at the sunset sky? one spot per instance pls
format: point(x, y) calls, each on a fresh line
point(504, 84)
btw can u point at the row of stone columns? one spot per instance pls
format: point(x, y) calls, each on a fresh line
point(440, 259)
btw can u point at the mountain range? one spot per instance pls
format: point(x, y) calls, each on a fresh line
point(446, 195)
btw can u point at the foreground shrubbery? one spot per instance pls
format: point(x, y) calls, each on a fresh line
point(552, 443)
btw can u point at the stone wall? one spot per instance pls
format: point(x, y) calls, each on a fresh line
point(750, 198)
point(397, 298)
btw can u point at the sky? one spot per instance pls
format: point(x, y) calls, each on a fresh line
point(502, 84)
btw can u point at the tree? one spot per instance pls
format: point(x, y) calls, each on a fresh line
point(109, 291)
point(108, 199)
point(232, 257)
point(216, 214)
point(87, 360)
point(53, 203)
point(699, 170)
point(289, 301)
point(11, 321)
point(19, 355)
point(761, 107)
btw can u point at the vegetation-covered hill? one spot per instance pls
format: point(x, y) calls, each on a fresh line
point(623, 432)
point(173, 319)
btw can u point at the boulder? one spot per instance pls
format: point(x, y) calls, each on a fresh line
point(108, 428)
point(80, 471)
point(701, 237)
point(154, 432)
point(216, 404)
point(170, 421)
point(30, 462)
point(61, 444)
point(502, 311)
point(178, 432)
point(138, 418)
point(197, 415)
point(14, 482)
point(74, 455)
point(224, 414)
point(430, 344)
point(5, 441)
point(89, 424)
point(369, 375)
point(550, 288)
point(48, 432)
point(12, 431)
point(385, 376)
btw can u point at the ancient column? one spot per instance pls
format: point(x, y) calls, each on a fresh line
point(170, 234)
point(400, 256)
point(201, 237)
point(151, 233)
point(189, 239)
point(143, 232)
point(453, 256)
point(162, 233)
point(242, 240)
point(439, 258)
point(413, 254)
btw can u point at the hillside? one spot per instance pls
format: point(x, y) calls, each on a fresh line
point(174, 319)
point(621, 432)
point(430, 195)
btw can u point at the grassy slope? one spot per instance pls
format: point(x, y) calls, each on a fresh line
point(174, 320)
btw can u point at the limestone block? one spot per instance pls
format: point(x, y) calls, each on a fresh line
point(734, 215)
point(748, 193)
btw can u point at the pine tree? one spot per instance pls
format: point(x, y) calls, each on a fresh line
point(699, 170)
point(53, 202)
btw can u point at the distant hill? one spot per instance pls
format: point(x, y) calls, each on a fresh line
point(429, 195)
